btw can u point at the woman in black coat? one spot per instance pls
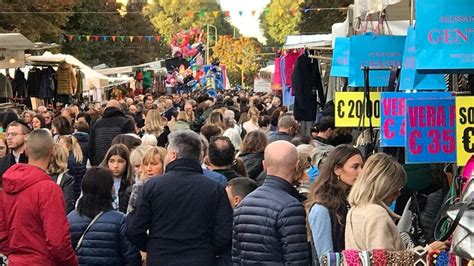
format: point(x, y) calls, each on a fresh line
point(105, 242)
point(251, 152)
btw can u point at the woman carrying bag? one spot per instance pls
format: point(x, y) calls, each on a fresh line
point(98, 231)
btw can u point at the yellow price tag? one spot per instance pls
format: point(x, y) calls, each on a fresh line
point(464, 129)
point(349, 108)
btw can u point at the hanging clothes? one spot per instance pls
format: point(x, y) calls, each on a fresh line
point(19, 84)
point(47, 84)
point(308, 88)
point(66, 79)
point(34, 82)
point(290, 61)
point(287, 98)
point(276, 83)
point(80, 84)
point(5, 88)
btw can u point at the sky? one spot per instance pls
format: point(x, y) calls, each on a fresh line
point(248, 25)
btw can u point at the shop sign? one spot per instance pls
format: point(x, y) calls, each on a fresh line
point(464, 129)
point(430, 131)
point(349, 109)
point(393, 115)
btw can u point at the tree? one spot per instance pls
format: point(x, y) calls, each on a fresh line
point(280, 19)
point(239, 56)
point(118, 53)
point(321, 21)
point(171, 16)
point(25, 19)
point(80, 23)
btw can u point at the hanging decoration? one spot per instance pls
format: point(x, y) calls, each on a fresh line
point(113, 38)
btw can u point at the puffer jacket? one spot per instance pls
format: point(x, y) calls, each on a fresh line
point(67, 185)
point(104, 130)
point(253, 164)
point(105, 243)
point(66, 79)
point(270, 227)
point(77, 170)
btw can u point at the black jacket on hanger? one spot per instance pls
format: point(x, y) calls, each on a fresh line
point(307, 86)
point(34, 82)
point(19, 84)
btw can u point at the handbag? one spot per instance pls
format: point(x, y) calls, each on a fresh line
point(413, 234)
point(78, 246)
point(462, 227)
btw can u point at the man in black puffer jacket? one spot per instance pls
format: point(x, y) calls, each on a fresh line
point(270, 223)
point(112, 123)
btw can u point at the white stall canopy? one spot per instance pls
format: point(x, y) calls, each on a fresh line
point(307, 41)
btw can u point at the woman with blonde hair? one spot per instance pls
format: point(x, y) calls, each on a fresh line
point(181, 122)
point(156, 125)
point(370, 223)
point(252, 124)
point(75, 161)
point(57, 169)
point(152, 165)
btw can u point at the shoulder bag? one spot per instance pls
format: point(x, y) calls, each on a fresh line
point(87, 229)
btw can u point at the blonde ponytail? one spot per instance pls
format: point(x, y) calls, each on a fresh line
point(76, 150)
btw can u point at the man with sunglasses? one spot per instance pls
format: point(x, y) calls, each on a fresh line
point(17, 132)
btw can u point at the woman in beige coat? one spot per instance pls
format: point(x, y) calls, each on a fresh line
point(370, 223)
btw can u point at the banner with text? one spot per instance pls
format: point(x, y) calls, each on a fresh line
point(349, 108)
point(410, 79)
point(340, 57)
point(464, 129)
point(380, 51)
point(430, 131)
point(393, 115)
point(445, 36)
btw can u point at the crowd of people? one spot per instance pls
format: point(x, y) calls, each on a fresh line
point(189, 180)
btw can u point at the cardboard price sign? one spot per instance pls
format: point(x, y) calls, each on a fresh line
point(464, 129)
point(430, 131)
point(393, 111)
point(349, 106)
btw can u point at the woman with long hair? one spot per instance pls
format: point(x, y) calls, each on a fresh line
point(156, 125)
point(75, 161)
point(251, 152)
point(58, 171)
point(216, 118)
point(27, 116)
point(252, 124)
point(370, 223)
point(117, 160)
point(105, 242)
point(327, 205)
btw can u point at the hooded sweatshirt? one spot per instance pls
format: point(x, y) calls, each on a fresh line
point(33, 225)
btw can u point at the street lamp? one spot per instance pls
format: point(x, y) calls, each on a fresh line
point(207, 40)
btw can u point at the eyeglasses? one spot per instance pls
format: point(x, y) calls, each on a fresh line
point(14, 134)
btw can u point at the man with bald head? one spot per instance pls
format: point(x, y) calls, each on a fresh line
point(270, 223)
point(104, 130)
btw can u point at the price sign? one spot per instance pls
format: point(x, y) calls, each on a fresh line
point(430, 131)
point(349, 109)
point(464, 129)
point(393, 110)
